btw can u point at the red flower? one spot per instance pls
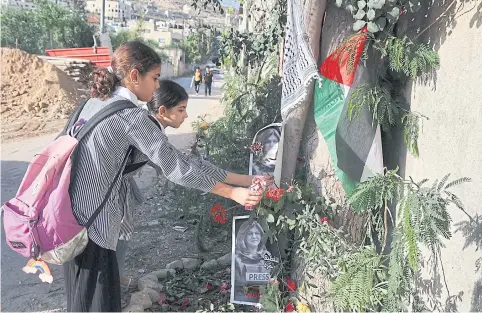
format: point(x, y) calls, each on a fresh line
point(209, 287)
point(258, 184)
point(225, 288)
point(275, 194)
point(325, 220)
point(184, 305)
point(291, 285)
point(219, 214)
point(289, 307)
point(256, 147)
point(403, 11)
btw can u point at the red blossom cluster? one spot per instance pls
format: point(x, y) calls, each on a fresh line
point(275, 194)
point(258, 186)
point(325, 220)
point(289, 307)
point(256, 147)
point(225, 288)
point(219, 214)
point(290, 284)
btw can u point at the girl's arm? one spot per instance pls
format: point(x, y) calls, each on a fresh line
point(145, 136)
point(238, 179)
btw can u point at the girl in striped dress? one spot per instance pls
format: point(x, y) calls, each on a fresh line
point(168, 108)
point(92, 278)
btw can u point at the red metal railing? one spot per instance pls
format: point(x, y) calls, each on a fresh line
point(98, 56)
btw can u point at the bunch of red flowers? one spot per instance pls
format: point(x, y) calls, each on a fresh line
point(256, 147)
point(219, 214)
point(275, 194)
point(258, 186)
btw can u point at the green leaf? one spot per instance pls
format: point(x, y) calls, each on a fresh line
point(359, 15)
point(270, 218)
point(414, 6)
point(361, 4)
point(359, 25)
point(376, 4)
point(394, 12)
point(458, 182)
point(371, 15)
point(373, 28)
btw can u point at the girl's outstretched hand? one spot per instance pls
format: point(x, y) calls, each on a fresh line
point(245, 197)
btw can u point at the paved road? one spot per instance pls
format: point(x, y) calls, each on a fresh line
point(24, 292)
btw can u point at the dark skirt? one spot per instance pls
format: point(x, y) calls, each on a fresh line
point(92, 281)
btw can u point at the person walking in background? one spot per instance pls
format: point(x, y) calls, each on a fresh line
point(197, 79)
point(208, 81)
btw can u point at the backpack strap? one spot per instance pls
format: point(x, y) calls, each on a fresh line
point(109, 191)
point(135, 166)
point(110, 109)
point(74, 116)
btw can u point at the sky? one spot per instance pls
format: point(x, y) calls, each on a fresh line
point(231, 3)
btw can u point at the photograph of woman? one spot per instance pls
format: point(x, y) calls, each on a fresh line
point(264, 162)
point(249, 268)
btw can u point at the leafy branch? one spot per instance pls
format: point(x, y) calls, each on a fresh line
point(377, 15)
point(423, 219)
point(400, 56)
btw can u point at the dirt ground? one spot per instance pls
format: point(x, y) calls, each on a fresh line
point(155, 243)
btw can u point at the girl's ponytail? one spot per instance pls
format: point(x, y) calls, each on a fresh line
point(103, 82)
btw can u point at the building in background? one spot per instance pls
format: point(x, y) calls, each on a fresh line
point(19, 4)
point(31, 4)
point(114, 10)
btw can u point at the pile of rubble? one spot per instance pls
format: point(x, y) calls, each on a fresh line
point(32, 87)
point(151, 286)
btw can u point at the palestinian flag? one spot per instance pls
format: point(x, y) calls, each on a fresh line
point(355, 146)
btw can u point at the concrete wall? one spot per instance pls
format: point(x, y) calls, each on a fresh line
point(167, 70)
point(451, 141)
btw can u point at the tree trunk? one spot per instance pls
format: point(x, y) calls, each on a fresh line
point(301, 132)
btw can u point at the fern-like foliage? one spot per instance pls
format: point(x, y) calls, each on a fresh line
point(423, 220)
point(411, 129)
point(361, 283)
point(375, 192)
point(400, 274)
point(410, 58)
point(379, 101)
point(400, 57)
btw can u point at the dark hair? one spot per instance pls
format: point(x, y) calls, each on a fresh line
point(208, 67)
point(169, 94)
point(129, 56)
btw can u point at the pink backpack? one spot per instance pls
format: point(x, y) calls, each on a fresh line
point(39, 222)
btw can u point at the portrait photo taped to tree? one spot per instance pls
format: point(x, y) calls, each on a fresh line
point(254, 259)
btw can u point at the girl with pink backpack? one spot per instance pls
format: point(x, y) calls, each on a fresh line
point(106, 136)
point(92, 278)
